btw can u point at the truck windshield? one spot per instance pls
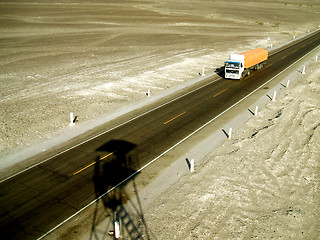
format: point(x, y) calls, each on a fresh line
point(232, 71)
point(233, 64)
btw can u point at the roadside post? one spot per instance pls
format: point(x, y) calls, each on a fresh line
point(274, 96)
point(71, 120)
point(192, 165)
point(230, 132)
point(256, 111)
point(288, 82)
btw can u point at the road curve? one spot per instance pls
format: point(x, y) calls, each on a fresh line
point(37, 200)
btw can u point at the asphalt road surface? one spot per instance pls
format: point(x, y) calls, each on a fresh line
point(37, 200)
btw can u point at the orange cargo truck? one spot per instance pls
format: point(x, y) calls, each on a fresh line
point(240, 65)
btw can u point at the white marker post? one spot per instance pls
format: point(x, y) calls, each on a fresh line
point(148, 93)
point(274, 96)
point(192, 165)
point(316, 58)
point(288, 83)
point(256, 111)
point(203, 74)
point(304, 70)
point(117, 229)
point(230, 132)
point(71, 120)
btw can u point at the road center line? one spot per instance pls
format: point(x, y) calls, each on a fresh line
point(165, 152)
point(175, 117)
point(91, 164)
point(220, 93)
point(109, 130)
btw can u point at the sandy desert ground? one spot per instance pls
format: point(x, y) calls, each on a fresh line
point(92, 57)
point(263, 184)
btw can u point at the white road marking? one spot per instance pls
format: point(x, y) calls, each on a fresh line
point(130, 120)
point(155, 159)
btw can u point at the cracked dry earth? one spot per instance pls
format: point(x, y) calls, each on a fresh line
point(263, 184)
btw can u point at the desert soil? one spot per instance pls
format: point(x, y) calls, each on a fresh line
point(94, 57)
point(262, 184)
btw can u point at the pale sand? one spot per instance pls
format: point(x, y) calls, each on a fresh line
point(92, 57)
point(262, 184)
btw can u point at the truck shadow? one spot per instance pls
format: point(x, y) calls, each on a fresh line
point(220, 71)
point(111, 176)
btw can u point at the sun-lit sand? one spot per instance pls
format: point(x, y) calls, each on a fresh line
point(264, 184)
point(92, 57)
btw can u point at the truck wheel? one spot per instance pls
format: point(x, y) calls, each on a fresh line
point(248, 73)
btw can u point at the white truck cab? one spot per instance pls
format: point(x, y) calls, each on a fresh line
point(234, 67)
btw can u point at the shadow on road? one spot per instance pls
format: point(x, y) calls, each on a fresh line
point(111, 176)
point(220, 71)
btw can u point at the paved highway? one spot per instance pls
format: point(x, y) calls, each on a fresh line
point(37, 200)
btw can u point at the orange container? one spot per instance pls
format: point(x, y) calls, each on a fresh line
point(254, 57)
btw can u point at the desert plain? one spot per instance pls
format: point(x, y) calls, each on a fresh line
point(94, 57)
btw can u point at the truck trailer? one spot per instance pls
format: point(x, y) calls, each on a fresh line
point(240, 65)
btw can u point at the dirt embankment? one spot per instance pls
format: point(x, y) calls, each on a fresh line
point(92, 57)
